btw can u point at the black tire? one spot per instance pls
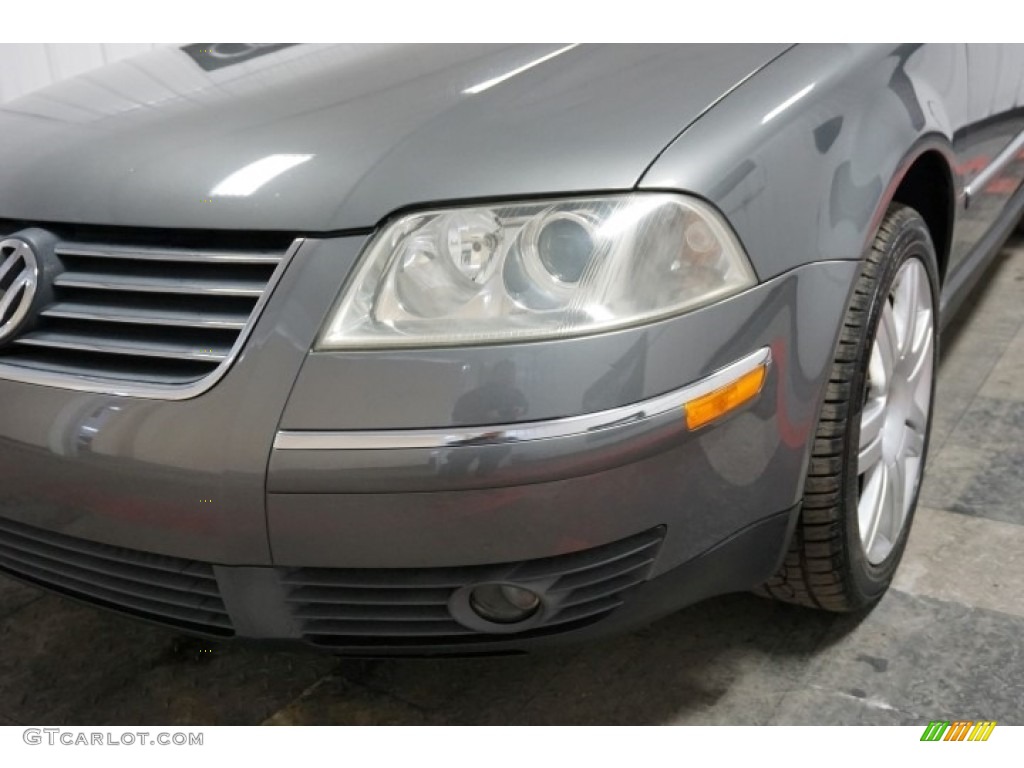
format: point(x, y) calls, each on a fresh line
point(826, 566)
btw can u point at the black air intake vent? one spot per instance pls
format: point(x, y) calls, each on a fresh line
point(408, 607)
point(168, 590)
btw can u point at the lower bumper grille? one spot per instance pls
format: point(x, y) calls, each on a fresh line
point(169, 590)
point(332, 607)
point(406, 607)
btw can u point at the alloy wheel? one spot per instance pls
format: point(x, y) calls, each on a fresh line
point(894, 420)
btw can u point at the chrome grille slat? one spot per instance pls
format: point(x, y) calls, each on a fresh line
point(113, 377)
point(114, 346)
point(149, 312)
point(70, 310)
point(163, 254)
point(100, 281)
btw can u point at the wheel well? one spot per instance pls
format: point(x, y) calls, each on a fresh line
point(927, 187)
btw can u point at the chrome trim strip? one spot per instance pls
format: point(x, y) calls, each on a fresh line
point(109, 386)
point(392, 439)
point(992, 170)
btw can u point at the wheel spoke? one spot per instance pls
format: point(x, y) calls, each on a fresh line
point(887, 345)
point(913, 441)
point(919, 357)
point(871, 421)
point(898, 496)
point(906, 311)
point(871, 508)
point(917, 417)
point(923, 334)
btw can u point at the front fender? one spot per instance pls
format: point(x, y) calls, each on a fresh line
point(804, 157)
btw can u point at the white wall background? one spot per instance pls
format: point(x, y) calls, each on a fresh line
point(25, 67)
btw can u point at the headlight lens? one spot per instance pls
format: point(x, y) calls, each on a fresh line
point(536, 270)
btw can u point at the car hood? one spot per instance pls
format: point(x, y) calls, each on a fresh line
point(317, 139)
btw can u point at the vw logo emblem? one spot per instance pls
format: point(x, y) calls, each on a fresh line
point(19, 278)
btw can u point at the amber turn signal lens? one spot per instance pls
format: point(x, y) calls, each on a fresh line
point(716, 404)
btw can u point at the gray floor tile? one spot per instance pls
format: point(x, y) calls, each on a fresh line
point(15, 594)
point(60, 657)
point(950, 408)
point(950, 473)
point(203, 684)
point(995, 304)
point(927, 658)
point(727, 660)
point(337, 701)
point(980, 469)
point(413, 691)
point(977, 340)
point(1006, 381)
point(815, 706)
point(64, 663)
point(471, 691)
point(969, 560)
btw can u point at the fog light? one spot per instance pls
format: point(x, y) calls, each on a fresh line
point(504, 603)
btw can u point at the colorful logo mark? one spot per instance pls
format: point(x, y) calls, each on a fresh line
point(958, 730)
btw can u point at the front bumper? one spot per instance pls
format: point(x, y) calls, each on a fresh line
point(587, 593)
point(102, 495)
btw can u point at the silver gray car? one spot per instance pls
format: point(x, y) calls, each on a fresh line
point(461, 349)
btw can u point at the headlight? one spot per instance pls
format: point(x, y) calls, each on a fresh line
point(536, 270)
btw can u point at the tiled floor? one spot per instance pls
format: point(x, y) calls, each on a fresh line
point(948, 639)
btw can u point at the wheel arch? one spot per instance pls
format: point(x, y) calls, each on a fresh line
point(924, 181)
